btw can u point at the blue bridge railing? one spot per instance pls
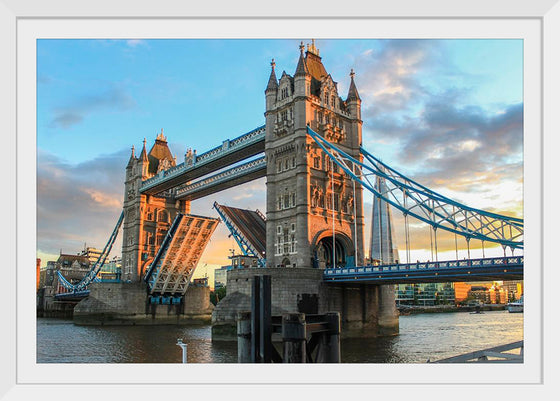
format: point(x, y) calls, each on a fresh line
point(510, 267)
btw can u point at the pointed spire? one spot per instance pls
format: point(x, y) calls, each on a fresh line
point(144, 154)
point(301, 68)
point(132, 158)
point(312, 48)
point(272, 81)
point(160, 137)
point(352, 91)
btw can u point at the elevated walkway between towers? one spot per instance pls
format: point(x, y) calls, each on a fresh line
point(227, 154)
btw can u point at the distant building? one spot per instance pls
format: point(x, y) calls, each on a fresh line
point(73, 267)
point(112, 270)
point(488, 293)
point(38, 272)
point(425, 294)
point(220, 276)
point(200, 282)
point(47, 274)
point(404, 294)
point(92, 254)
point(514, 289)
point(461, 291)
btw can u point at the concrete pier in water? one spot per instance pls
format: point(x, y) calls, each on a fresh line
point(365, 310)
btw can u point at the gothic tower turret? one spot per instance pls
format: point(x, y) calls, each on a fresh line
point(314, 211)
point(147, 217)
point(272, 88)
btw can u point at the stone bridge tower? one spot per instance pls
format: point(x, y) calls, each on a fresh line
point(147, 218)
point(308, 198)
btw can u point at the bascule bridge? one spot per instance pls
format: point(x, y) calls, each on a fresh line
point(310, 241)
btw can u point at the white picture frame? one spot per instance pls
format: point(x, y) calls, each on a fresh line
point(22, 379)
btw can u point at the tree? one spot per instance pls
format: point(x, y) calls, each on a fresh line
point(217, 295)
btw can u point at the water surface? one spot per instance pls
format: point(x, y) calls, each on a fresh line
point(422, 337)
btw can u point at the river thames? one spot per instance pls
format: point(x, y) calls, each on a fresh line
point(423, 336)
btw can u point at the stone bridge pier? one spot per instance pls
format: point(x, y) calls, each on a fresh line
point(366, 310)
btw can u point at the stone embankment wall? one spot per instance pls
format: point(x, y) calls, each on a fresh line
point(125, 304)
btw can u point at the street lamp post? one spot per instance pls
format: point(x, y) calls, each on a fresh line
point(184, 348)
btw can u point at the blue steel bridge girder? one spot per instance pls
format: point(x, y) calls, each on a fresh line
point(92, 274)
point(501, 268)
point(231, 151)
point(415, 200)
point(234, 176)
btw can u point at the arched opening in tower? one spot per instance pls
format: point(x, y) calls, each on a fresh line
point(324, 253)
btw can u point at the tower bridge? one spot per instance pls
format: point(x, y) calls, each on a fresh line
point(311, 241)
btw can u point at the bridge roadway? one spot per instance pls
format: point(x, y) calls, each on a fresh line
point(487, 269)
point(230, 152)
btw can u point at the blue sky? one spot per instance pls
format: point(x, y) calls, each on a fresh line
point(448, 113)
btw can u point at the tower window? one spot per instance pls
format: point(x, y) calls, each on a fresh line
point(317, 162)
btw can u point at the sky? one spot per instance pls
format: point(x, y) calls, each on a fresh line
point(446, 113)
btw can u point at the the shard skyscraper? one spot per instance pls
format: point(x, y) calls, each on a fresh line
point(383, 247)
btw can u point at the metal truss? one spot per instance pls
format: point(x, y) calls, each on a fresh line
point(176, 259)
point(418, 201)
point(227, 147)
point(244, 244)
point(500, 268)
point(92, 274)
point(224, 177)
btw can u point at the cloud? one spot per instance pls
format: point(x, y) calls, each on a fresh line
point(67, 119)
point(78, 203)
point(429, 130)
point(112, 99)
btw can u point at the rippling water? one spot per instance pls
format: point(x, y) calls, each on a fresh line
point(432, 335)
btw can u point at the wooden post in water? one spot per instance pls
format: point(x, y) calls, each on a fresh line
point(332, 354)
point(244, 337)
point(265, 341)
point(293, 337)
point(328, 342)
point(255, 321)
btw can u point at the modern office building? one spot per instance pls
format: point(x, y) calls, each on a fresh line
point(220, 277)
